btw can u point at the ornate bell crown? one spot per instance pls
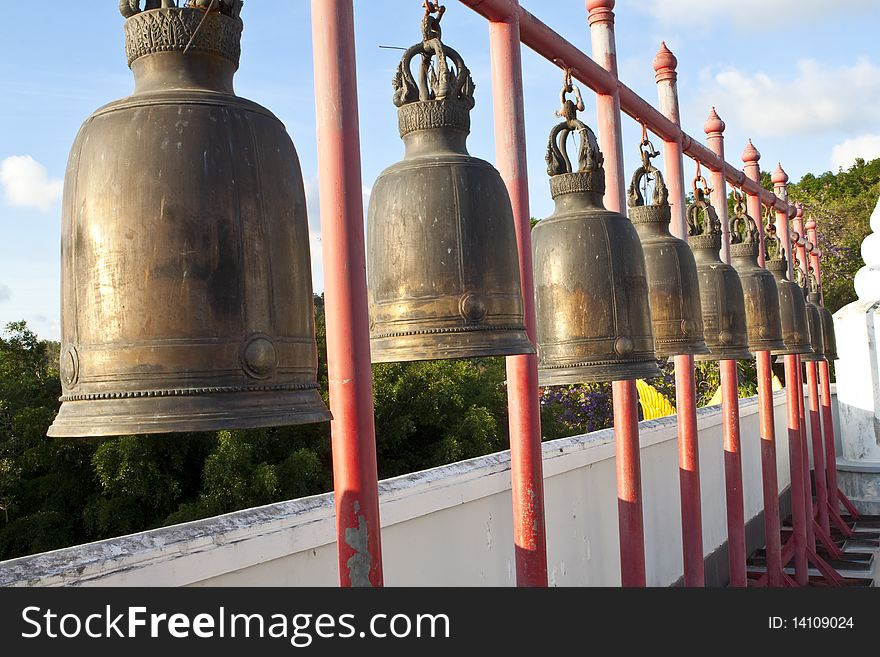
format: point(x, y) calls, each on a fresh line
point(444, 94)
point(639, 210)
point(704, 227)
point(744, 240)
point(590, 174)
point(775, 260)
point(162, 27)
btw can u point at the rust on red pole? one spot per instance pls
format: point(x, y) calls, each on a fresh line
point(527, 478)
point(769, 477)
point(353, 438)
point(626, 418)
point(629, 485)
point(736, 526)
point(685, 388)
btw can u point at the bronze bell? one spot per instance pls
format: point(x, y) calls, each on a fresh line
point(721, 293)
point(761, 296)
point(591, 290)
point(442, 263)
point(673, 286)
point(792, 308)
point(814, 317)
point(829, 337)
point(186, 277)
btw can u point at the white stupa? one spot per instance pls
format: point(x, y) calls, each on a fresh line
point(857, 326)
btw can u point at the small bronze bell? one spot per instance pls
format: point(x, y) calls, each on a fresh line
point(442, 263)
point(673, 286)
point(814, 317)
point(829, 338)
point(186, 283)
point(591, 290)
point(759, 287)
point(721, 293)
point(792, 308)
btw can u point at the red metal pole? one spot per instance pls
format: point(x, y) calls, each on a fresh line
point(685, 388)
point(798, 227)
point(626, 418)
point(736, 526)
point(736, 535)
point(769, 478)
point(689, 472)
point(527, 478)
point(818, 449)
point(353, 439)
point(827, 418)
point(793, 392)
point(796, 456)
point(629, 484)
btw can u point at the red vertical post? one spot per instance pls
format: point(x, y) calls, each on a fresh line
point(825, 397)
point(626, 419)
point(799, 248)
point(527, 478)
point(799, 516)
point(733, 477)
point(629, 485)
point(769, 478)
point(355, 478)
point(818, 449)
point(792, 365)
point(685, 389)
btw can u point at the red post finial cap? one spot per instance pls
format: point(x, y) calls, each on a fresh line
point(664, 59)
point(750, 154)
point(600, 4)
point(811, 223)
point(779, 176)
point(713, 123)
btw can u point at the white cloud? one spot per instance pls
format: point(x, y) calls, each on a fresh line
point(844, 155)
point(817, 99)
point(754, 14)
point(5, 293)
point(26, 183)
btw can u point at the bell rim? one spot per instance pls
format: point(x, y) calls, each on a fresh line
point(95, 418)
point(514, 342)
point(794, 350)
point(670, 349)
point(767, 345)
point(732, 354)
point(593, 373)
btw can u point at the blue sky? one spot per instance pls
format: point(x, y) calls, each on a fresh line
point(799, 77)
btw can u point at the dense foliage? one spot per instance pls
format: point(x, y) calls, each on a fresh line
point(55, 493)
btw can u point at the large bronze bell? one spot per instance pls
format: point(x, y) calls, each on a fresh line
point(186, 281)
point(442, 264)
point(721, 293)
point(814, 317)
point(761, 296)
point(673, 286)
point(591, 290)
point(792, 308)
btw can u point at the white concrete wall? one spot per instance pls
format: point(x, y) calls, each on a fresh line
point(446, 526)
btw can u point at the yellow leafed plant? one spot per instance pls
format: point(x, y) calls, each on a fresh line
point(654, 405)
